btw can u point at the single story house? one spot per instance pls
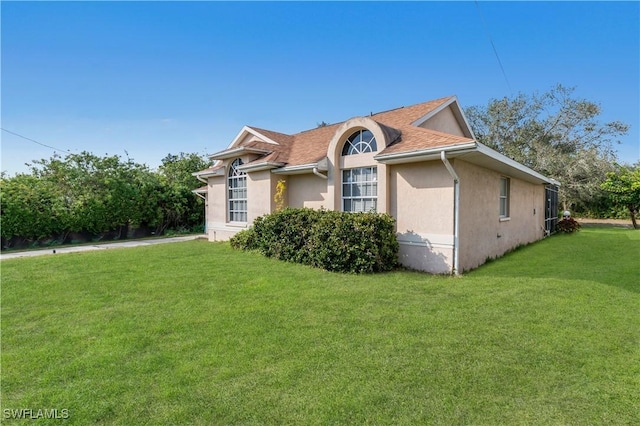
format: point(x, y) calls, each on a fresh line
point(456, 202)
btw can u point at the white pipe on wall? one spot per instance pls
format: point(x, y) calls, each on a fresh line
point(456, 210)
point(317, 173)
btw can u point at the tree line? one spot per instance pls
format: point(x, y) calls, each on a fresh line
point(563, 137)
point(92, 197)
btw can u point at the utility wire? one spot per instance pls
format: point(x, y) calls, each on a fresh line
point(495, 51)
point(34, 141)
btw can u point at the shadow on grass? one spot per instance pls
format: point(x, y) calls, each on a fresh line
point(599, 254)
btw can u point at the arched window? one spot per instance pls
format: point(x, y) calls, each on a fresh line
point(237, 188)
point(360, 185)
point(360, 142)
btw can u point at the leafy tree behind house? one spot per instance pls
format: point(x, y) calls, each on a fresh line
point(182, 210)
point(623, 187)
point(555, 134)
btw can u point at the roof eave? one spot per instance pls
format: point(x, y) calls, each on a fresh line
point(208, 173)
point(495, 155)
point(267, 165)
point(234, 152)
point(299, 169)
point(423, 154)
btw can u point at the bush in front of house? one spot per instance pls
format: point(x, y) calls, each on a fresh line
point(334, 241)
point(568, 225)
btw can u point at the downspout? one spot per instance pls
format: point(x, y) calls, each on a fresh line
point(456, 211)
point(317, 173)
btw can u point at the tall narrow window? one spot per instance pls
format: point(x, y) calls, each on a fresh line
point(504, 197)
point(237, 190)
point(360, 189)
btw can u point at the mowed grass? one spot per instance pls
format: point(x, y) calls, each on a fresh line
point(196, 333)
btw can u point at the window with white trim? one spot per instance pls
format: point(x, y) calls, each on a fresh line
point(360, 189)
point(360, 142)
point(237, 192)
point(504, 196)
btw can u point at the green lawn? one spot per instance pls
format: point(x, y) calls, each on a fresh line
point(196, 333)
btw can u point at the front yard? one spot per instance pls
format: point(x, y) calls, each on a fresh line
point(196, 333)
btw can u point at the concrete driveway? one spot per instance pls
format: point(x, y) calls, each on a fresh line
point(105, 246)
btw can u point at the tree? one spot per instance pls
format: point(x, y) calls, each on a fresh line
point(555, 134)
point(623, 187)
point(181, 208)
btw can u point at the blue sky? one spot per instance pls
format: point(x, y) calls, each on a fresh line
point(152, 78)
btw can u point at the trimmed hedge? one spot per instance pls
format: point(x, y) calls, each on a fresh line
point(335, 241)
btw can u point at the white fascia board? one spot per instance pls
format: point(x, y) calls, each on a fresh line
point(267, 165)
point(433, 112)
point(205, 174)
point(424, 154)
point(491, 153)
point(243, 133)
point(261, 136)
point(234, 152)
point(292, 170)
point(464, 118)
point(458, 112)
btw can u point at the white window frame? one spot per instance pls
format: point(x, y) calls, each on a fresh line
point(505, 197)
point(360, 142)
point(236, 193)
point(360, 186)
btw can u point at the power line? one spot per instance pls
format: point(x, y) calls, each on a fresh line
point(35, 141)
point(495, 51)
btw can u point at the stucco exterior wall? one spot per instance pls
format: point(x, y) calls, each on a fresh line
point(421, 201)
point(260, 190)
point(217, 228)
point(483, 234)
point(444, 121)
point(307, 190)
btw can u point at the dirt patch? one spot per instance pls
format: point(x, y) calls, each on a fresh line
point(611, 223)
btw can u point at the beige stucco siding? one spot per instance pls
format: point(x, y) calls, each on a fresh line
point(483, 234)
point(217, 228)
point(421, 201)
point(444, 121)
point(307, 190)
point(260, 190)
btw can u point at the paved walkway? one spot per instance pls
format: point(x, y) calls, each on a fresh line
point(89, 247)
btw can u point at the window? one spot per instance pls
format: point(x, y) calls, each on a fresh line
point(237, 187)
point(360, 189)
point(504, 197)
point(360, 142)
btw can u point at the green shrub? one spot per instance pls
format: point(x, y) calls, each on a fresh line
point(244, 240)
point(335, 241)
point(568, 225)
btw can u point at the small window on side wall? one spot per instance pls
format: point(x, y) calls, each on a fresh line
point(504, 196)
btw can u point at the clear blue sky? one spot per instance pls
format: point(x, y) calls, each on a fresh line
point(153, 78)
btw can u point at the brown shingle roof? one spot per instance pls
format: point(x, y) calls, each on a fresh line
point(311, 146)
